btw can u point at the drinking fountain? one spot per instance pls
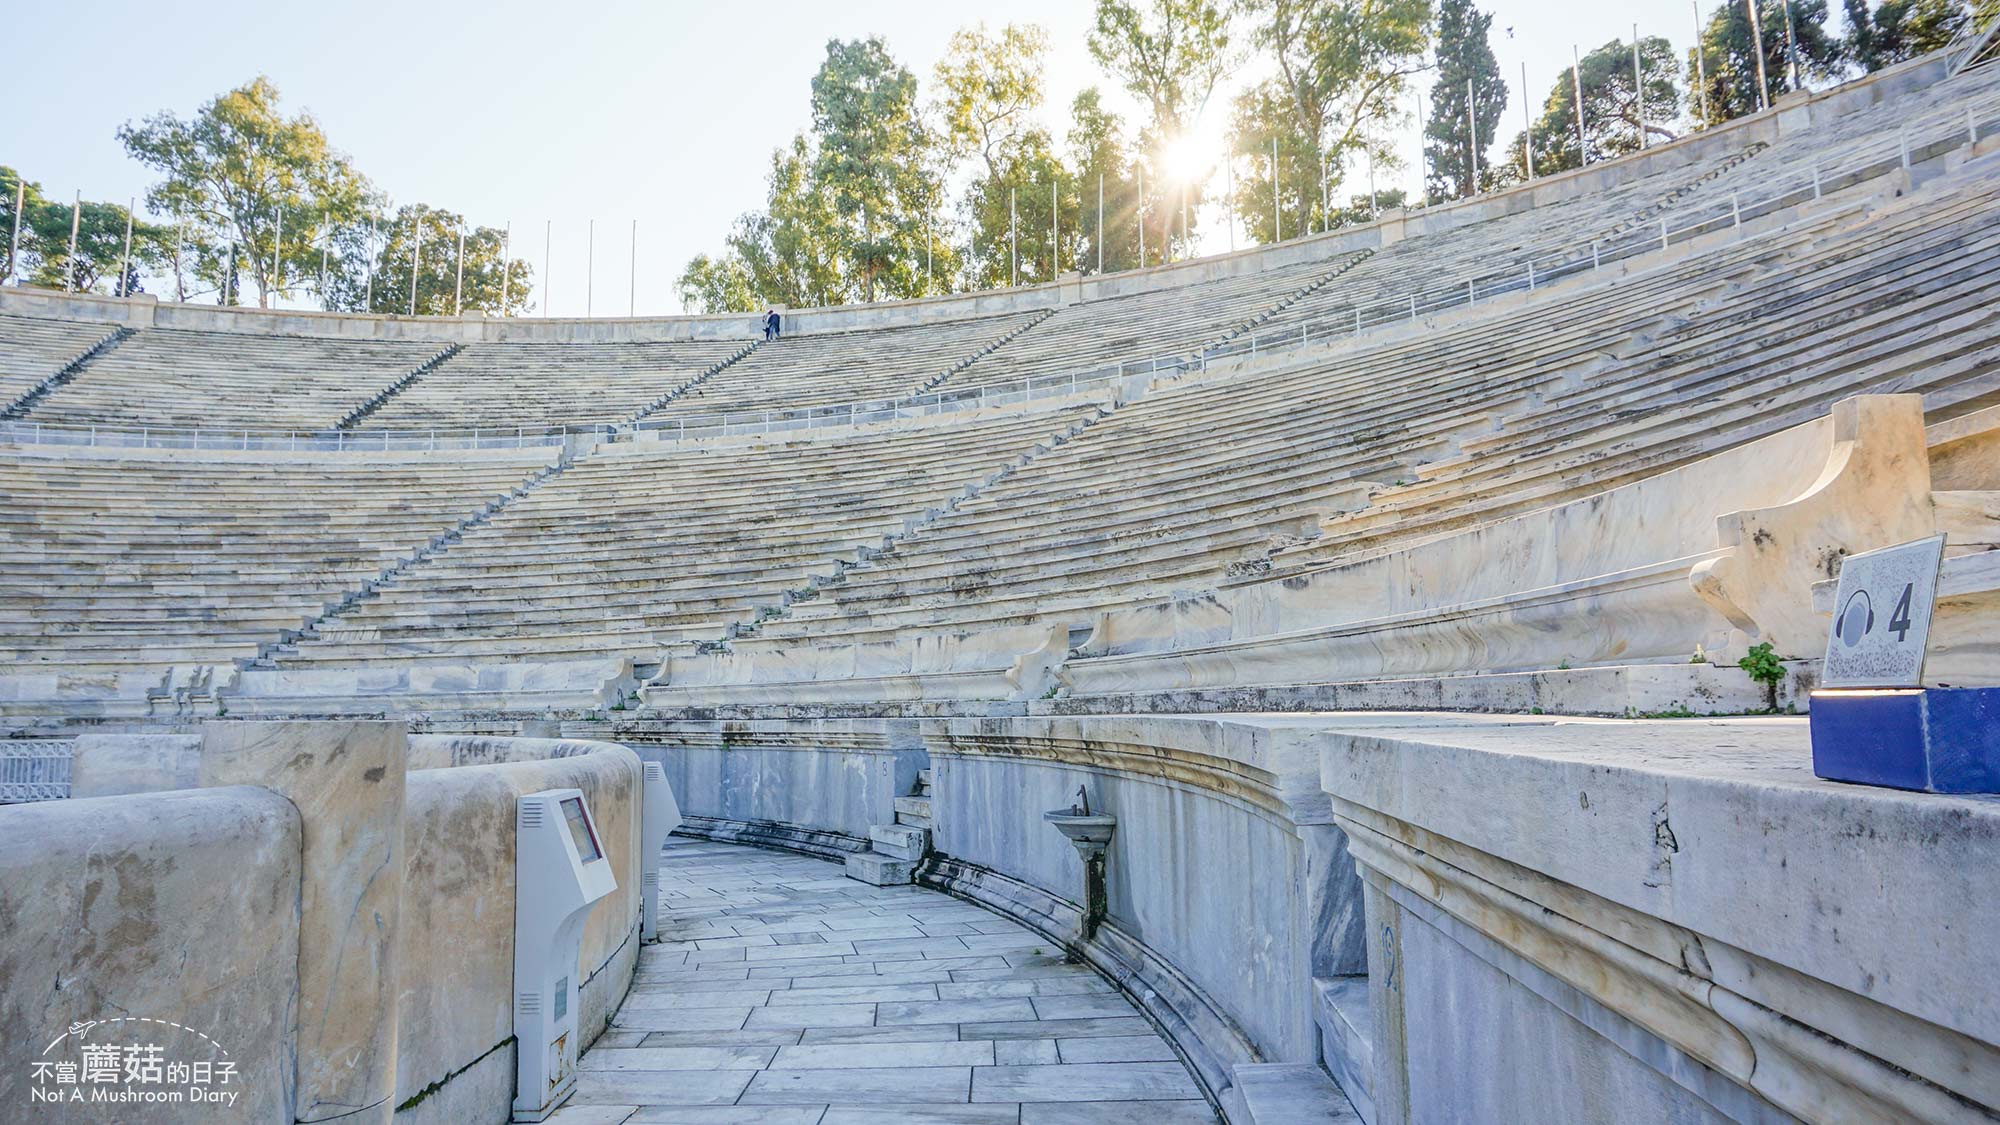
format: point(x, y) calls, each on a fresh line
point(1089, 833)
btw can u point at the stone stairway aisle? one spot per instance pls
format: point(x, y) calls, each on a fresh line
point(897, 850)
point(20, 406)
point(270, 653)
point(861, 557)
point(934, 381)
point(662, 402)
point(381, 398)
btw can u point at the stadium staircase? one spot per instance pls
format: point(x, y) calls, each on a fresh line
point(19, 407)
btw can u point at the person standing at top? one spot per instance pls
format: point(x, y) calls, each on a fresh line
point(771, 325)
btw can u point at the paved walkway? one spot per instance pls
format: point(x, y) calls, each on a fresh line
point(785, 993)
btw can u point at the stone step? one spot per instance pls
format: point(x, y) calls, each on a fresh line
point(879, 870)
point(900, 841)
point(923, 781)
point(914, 810)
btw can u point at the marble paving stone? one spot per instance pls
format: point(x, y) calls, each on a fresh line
point(913, 946)
point(1190, 1112)
point(1025, 1052)
point(746, 1037)
point(1035, 958)
point(727, 1115)
point(735, 942)
point(855, 994)
point(1069, 985)
point(821, 1056)
point(861, 1086)
point(953, 964)
point(661, 1087)
point(867, 1005)
point(1005, 971)
point(677, 1058)
point(798, 969)
point(693, 972)
point(796, 952)
point(704, 984)
point(1083, 1082)
point(1116, 1048)
point(921, 1115)
point(1008, 943)
point(853, 980)
point(813, 1015)
point(1083, 1006)
point(592, 1115)
point(913, 1033)
point(1055, 1029)
point(641, 1003)
point(955, 1011)
point(681, 1019)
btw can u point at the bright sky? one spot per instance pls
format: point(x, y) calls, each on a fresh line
point(522, 112)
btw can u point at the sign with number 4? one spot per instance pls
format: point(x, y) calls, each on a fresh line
point(1882, 616)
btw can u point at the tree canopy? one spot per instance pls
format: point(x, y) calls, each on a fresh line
point(1466, 103)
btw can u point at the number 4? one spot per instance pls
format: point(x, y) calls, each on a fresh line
point(1899, 618)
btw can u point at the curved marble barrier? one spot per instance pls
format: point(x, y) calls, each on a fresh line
point(1460, 917)
point(351, 889)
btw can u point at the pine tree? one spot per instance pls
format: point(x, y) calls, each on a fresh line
point(1466, 69)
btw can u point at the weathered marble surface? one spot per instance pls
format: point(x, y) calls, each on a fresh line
point(1873, 491)
point(108, 765)
point(455, 1000)
point(119, 907)
point(1621, 858)
point(875, 1030)
point(831, 776)
point(346, 780)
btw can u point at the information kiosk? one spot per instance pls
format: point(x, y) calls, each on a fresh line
point(661, 815)
point(559, 870)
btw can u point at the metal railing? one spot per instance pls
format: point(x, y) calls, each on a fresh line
point(23, 432)
point(1916, 141)
point(35, 769)
point(1050, 390)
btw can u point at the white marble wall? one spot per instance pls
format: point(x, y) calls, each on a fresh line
point(455, 1004)
point(179, 906)
point(1210, 884)
point(346, 779)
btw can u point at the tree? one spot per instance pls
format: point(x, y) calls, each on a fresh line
point(1011, 215)
point(878, 166)
point(788, 253)
point(1466, 103)
point(1610, 108)
point(239, 170)
point(1170, 57)
point(1729, 55)
point(1342, 68)
point(989, 87)
point(717, 285)
point(29, 256)
point(1097, 155)
point(45, 258)
point(1899, 29)
point(430, 236)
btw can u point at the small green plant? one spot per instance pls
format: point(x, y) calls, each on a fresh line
point(1700, 656)
point(1563, 665)
point(1762, 665)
